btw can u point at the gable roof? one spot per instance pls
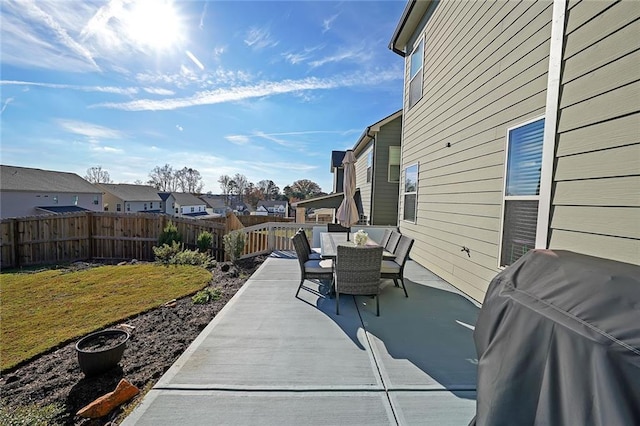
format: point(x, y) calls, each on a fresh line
point(187, 199)
point(214, 201)
point(164, 196)
point(371, 130)
point(13, 178)
point(409, 21)
point(336, 159)
point(129, 192)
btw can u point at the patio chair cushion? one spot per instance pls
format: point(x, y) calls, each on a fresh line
point(314, 266)
point(390, 267)
point(315, 256)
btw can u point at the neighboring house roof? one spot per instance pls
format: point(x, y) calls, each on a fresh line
point(410, 19)
point(269, 203)
point(164, 196)
point(14, 178)
point(370, 131)
point(129, 192)
point(336, 159)
point(214, 201)
point(63, 209)
point(331, 201)
point(186, 199)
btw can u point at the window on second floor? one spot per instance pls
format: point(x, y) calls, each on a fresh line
point(410, 193)
point(118, 207)
point(74, 199)
point(193, 209)
point(55, 199)
point(128, 207)
point(394, 164)
point(369, 165)
point(145, 206)
point(96, 200)
point(415, 74)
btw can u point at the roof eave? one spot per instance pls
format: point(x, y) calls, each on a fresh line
point(413, 12)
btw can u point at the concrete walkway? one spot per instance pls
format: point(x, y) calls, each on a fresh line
point(270, 358)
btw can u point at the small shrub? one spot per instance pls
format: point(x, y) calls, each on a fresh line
point(166, 252)
point(204, 241)
point(169, 235)
point(207, 295)
point(191, 257)
point(234, 244)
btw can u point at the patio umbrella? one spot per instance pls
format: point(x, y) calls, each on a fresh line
point(347, 213)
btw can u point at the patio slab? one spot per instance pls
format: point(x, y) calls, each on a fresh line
point(271, 358)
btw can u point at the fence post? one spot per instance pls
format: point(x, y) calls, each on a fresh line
point(90, 234)
point(16, 250)
point(271, 241)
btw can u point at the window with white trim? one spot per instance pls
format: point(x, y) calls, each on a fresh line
point(521, 190)
point(415, 74)
point(95, 200)
point(410, 193)
point(394, 164)
point(118, 207)
point(74, 200)
point(369, 165)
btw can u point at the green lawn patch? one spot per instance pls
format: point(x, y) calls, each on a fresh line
point(44, 309)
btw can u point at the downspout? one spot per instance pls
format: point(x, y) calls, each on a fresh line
point(373, 148)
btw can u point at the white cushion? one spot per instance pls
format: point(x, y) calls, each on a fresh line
point(318, 266)
point(390, 267)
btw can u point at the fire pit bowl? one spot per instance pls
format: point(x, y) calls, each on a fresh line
point(101, 351)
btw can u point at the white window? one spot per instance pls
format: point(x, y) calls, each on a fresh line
point(410, 193)
point(95, 200)
point(55, 199)
point(415, 74)
point(394, 164)
point(128, 207)
point(193, 209)
point(521, 190)
point(369, 165)
point(75, 200)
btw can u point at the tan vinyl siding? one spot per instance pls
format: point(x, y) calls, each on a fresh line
point(385, 201)
point(596, 202)
point(361, 180)
point(485, 70)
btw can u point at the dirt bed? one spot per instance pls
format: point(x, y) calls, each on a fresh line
point(159, 337)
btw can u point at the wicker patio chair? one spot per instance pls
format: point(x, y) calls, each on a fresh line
point(310, 269)
point(385, 237)
point(357, 272)
point(392, 243)
point(312, 254)
point(394, 269)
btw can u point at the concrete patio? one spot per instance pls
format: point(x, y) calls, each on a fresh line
point(270, 358)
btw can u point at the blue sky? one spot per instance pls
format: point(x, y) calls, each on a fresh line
point(266, 89)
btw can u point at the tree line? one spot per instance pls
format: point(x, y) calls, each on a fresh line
point(189, 180)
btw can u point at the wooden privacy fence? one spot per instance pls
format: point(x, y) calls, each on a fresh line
point(41, 240)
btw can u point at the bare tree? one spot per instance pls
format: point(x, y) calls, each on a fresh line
point(241, 183)
point(189, 180)
point(269, 189)
point(225, 185)
point(162, 178)
point(97, 175)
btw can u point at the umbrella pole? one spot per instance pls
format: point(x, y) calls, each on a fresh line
point(348, 235)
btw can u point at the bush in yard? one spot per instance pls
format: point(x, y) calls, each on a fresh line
point(166, 252)
point(192, 257)
point(205, 241)
point(234, 244)
point(207, 295)
point(169, 235)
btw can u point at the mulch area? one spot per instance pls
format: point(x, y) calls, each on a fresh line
point(160, 336)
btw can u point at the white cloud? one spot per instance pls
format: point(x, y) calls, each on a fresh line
point(238, 139)
point(268, 88)
point(89, 130)
point(107, 149)
point(6, 103)
point(296, 58)
point(158, 91)
point(179, 127)
point(218, 51)
point(358, 54)
point(259, 38)
point(327, 23)
point(102, 89)
point(195, 60)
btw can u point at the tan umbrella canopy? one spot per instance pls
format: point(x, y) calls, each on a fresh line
point(347, 213)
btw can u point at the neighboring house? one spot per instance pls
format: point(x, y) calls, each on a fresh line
point(128, 198)
point(378, 170)
point(337, 170)
point(28, 192)
point(185, 204)
point(521, 130)
point(215, 204)
point(272, 208)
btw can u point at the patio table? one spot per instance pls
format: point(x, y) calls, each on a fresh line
point(329, 241)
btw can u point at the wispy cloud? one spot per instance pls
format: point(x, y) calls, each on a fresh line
point(179, 127)
point(107, 149)
point(300, 57)
point(203, 15)
point(89, 130)
point(259, 38)
point(268, 88)
point(158, 91)
point(327, 23)
point(358, 54)
point(6, 103)
point(102, 89)
point(195, 60)
point(238, 139)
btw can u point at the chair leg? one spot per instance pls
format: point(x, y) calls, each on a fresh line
point(395, 282)
point(377, 305)
point(404, 287)
point(299, 287)
point(337, 303)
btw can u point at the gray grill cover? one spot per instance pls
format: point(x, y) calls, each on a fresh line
point(558, 342)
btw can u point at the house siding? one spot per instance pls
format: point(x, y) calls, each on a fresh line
point(361, 180)
point(385, 203)
point(596, 197)
point(20, 204)
point(485, 70)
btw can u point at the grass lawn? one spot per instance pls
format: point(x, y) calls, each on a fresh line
point(44, 309)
